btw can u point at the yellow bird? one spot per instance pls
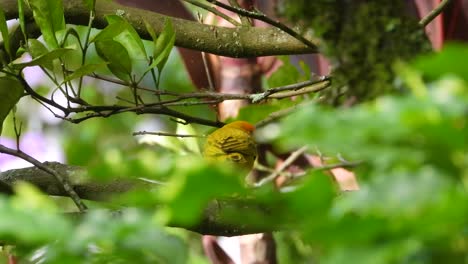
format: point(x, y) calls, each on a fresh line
point(234, 143)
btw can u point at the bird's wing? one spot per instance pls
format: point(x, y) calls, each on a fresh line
point(236, 144)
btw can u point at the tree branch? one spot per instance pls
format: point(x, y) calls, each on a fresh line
point(262, 17)
point(61, 180)
point(179, 99)
point(74, 174)
point(214, 221)
point(231, 42)
point(434, 13)
point(165, 134)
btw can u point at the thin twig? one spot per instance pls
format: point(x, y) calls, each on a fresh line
point(262, 17)
point(305, 90)
point(272, 117)
point(37, 96)
point(17, 131)
point(344, 164)
point(244, 20)
point(84, 49)
point(434, 13)
point(205, 63)
point(178, 99)
point(208, 74)
point(165, 134)
point(294, 156)
point(214, 11)
point(210, 102)
point(152, 181)
point(63, 181)
point(316, 86)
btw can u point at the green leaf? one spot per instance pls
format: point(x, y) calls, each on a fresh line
point(5, 35)
point(150, 30)
point(43, 60)
point(117, 56)
point(120, 30)
point(48, 15)
point(37, 49)
point(128, 37)
point(109, 32)
point(22, 21)
point(163, 46)
point(84, 70)
point(11, 91)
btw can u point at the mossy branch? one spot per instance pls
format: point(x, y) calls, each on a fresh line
point(231, 42)
point(212, 223)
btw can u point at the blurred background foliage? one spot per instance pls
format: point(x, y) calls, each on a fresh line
point(412, 206)
point(371, 34)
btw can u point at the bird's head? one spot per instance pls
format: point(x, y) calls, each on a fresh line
point(243, 125)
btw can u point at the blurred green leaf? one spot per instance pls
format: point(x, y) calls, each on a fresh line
point(254, 113)
point(117, 56)
point(11, 90)
point(28, 197)
point(29, 225)
point(132, 236)
point(310, 202)
point(447, 61)
point(305, 205)
point(386, 252)
point(411, 193)
point(48, 15)
point(286, 74)
point(386, 131)
point(193, 185)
